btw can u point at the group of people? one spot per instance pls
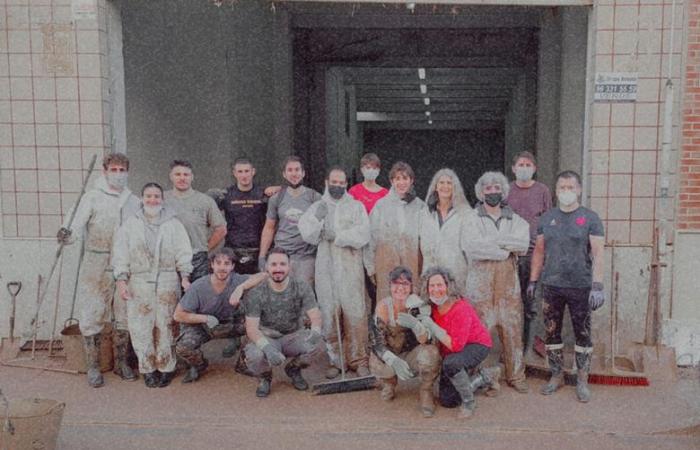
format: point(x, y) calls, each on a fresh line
point(417, 288)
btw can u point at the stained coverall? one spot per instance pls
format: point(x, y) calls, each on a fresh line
point(150, 256)
point(493, 287)
point(340, 236)
point(394, 227)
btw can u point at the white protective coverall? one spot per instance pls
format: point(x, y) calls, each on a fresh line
point(394, 226)
point(442, 246)
point(339, 274)
point(100, 212)
point(150, 258)
point(492, 247)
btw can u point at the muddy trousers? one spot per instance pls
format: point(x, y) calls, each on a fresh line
point(467, 359)
point(193, 336)
point(354, 329)
point(554, 302)
point(97, 304)
point(150, 313)
point(529, 312)
point(294, 345)
point(424, 361)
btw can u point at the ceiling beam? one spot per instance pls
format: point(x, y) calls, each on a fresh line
point(494, 106)
point(436, 125)
point(369, 116)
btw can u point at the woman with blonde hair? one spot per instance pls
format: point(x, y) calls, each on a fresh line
point(441, 226)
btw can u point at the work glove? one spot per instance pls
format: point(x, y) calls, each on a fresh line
point(530, 292)
point(212, 322)
point(408, 321)
point(399, 365)
point(597, 296)
point(321, 211)
point(274, 356)
point(63, 235)
point(434, 329)
point(314, 338)
point(262, 261)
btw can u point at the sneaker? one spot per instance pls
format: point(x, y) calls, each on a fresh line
point(193, 373)
point(151, 379)
point(166, 378)
point(297, 380)
point(520, 386)
point(332, 372)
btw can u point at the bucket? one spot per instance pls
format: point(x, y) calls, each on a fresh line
point(31, 423)
point(74, 348)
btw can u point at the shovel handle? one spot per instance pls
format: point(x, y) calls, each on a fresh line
point(13, 287)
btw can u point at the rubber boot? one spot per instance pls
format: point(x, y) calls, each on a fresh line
point(293, 371)
point(583, 364)
point(92, 360)
point(556, 361)
point(120, 343)
point(388, 388)
point(463, 385)
point(263, 389)
point(231, 348)
point(428, 375)
point(493, 375)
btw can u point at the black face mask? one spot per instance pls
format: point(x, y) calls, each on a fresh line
point(293, 186)
point(336, 191)
point(493, 199)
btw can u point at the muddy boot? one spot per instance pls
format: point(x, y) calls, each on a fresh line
point(293, 371)
point(166, 378)
point(151, 379)
point(231, 348)
point(492, 374)
point(427, 403)
point(194, 372)
point(263, 389)
point(463, 385)
point(556, 360)
point(120, 345)
point(583, 364)
point(388, 386)
point(92, 360)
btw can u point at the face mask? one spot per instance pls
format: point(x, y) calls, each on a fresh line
point(293, 186)
point(567, 198)
point(439, 301)
point(336, 191)
point(369, 174)
point(493, 199)
point(524, 173)
point(117, 180)
point(152, 211)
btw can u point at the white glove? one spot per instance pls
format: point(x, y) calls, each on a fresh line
point(434, 328)
point(399, 365)
point(408, 321)
point(212, 322)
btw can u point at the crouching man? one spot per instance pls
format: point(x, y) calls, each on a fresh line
point(210, 310)
point(273, 323)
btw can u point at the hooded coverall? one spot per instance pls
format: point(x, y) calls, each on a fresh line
point(100, 212)
point(394, 226)
point(150, 257)
point(339, 275)
point(492, 246)
point(440, 244)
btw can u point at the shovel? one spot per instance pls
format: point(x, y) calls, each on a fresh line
point(10, 347)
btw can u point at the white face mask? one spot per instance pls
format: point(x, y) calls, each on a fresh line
point(152, 211)
point(567, 198)
point(524, 173)
point(117, 180)
point(439, 301)
point(369, 174)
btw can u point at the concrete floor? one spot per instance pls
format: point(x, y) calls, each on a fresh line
point(221, 411)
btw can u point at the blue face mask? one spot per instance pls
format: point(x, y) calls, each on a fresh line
point(117, 180)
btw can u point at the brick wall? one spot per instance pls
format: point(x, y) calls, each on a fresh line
point(689, 189)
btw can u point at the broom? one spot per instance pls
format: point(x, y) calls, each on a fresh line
point(343, 385)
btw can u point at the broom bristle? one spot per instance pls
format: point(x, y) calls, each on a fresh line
point(618, 380)
point(343, 386)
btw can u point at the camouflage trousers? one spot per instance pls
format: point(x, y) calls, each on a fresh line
point(97, 304)
point(192, 336)
point(293, 345)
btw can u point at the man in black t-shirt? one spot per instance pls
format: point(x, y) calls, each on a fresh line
point(570, 244)
point(244, 205)
point(210, 310)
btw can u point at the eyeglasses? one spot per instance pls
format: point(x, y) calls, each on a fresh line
point(402, 283)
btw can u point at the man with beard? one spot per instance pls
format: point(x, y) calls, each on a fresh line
point(283, 213)
point(199, 214)
point(210, 310)
point(273, 315)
